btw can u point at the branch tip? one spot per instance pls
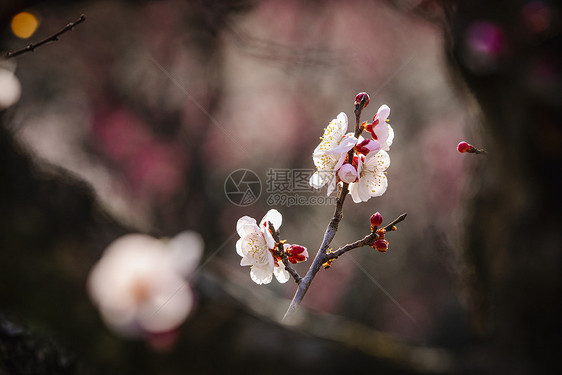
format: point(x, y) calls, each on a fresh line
point(53, 38)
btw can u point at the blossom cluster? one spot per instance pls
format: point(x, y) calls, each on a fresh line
point(365, 171)
point(340, 158)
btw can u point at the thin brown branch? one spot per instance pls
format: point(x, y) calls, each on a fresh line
point(399, 219)
point(359, 243)
point(53, 38)
point(367, 240)
point(281, 253)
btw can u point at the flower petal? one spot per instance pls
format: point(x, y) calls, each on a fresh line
point(245, 226)
point(261, 275)
point(339, 163)
point(333, 133)
point(254, 247)
point(342, 120)
point(383, 113)
point(239, 247)
point(331, 185)
point(376, 185)
point(344, 145)
point(274, 217)
point(390, 138)
point(269, 239)
point(379, 161)
point(324, 161)
point(245, 261)
point(320, 178)
point(354, 191)
point(381, 131)
point(316, 180)
point(281, 273)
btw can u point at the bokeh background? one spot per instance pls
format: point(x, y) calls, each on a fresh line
point(133, 121)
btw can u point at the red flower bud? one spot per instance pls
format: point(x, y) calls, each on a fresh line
point(362, 97)
point(376, 221)
point(296, 253)
point(465, 147)
point(380, 245)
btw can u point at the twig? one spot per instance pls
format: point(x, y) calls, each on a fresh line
point(281, 253)
point(368, 239)
point(53, 38)
point(359, 243)
point(400, 218)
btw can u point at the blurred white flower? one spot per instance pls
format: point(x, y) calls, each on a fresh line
point(139, 283)
point(255, 246)
point(330, 154)
point(372, 181)
point(10, 88)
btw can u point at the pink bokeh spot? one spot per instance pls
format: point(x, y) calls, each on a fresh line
point(486, 37)
point(152, 167)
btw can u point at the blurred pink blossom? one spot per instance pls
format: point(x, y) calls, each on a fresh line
point(139, 284)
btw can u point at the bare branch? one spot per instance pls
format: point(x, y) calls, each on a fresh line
point(400, 218)
point(53, 38)
point(359, 243)
point(367, 240)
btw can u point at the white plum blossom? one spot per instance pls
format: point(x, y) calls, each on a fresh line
point(139, 284)
point(372, 181)
point(380, 130)
point(330, 154)
point(255, 246)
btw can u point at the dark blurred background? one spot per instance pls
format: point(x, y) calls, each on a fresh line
point(133, 121)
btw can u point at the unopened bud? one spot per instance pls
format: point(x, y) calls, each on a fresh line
point(381, 245)
point(348, 173)
point(362, 98)
point(465, 147)
point(376, 221)
point(296, 253)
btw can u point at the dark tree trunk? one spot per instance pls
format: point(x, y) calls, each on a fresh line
point(514, 236)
